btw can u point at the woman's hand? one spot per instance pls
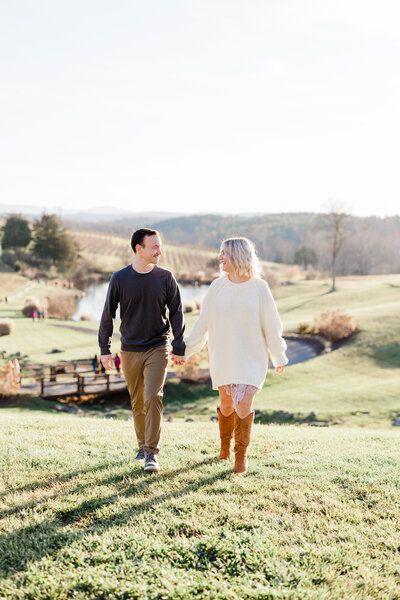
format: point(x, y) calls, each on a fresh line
point(177, 360)
point(279, 370)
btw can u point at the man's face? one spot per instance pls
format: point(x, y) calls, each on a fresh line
point(150, 252)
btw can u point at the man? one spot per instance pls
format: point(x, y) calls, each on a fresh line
point(144, 291)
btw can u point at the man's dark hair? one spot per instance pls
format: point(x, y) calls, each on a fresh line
point(139, 235)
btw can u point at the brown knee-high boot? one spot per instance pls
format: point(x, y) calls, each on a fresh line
point(226, 425)
point(242, 440)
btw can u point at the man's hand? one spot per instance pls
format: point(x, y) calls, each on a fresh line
point(279, 369)
point(177, 360)
point(107, 361)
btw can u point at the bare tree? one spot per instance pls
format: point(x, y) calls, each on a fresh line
point(365, 251)
point(334, 221)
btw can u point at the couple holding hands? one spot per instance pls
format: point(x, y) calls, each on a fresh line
point(238, 317)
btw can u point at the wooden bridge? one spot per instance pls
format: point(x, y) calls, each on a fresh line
point(74, 378)
point(80, 384)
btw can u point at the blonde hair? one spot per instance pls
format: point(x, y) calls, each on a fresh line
point(242, 254)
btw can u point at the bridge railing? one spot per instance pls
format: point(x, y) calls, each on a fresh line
point(64, 384)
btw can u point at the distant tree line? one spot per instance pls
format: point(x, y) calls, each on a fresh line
point(365, 246)
point(352, 245)
point(332, 241)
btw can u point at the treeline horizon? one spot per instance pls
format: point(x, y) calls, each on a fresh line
point(371, 245)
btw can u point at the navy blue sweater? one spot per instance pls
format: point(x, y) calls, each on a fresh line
point(143, 299)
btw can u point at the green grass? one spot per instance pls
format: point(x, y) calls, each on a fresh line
point(317, 517)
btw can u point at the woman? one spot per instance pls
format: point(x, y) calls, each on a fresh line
point(240, 319)
point(117, 362)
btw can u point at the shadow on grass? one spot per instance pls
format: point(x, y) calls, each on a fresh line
point(33, 542)
point(292, 308)
point(36, 485)
point(142, 477)
point(387, 356)
point(281, 417)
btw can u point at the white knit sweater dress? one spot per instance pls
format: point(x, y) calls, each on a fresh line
point(242, 324)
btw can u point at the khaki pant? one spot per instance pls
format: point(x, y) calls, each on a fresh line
point(145, 374)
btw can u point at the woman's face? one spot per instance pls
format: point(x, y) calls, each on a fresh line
point(224, 261)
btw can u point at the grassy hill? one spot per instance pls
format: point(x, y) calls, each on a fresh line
point(317, 517)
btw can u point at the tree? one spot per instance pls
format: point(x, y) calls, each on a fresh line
point(52, 241)
point(305, 256)
point(16, 233)
point(334, 221)
point(365, 251)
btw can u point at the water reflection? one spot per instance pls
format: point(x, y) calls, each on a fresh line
point(92, 304)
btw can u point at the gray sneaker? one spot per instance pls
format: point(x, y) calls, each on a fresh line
point(139, 455)
point(151, 462)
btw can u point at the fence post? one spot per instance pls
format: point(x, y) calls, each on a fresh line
point(53, 374)
point(42, 386)
point(107, 382)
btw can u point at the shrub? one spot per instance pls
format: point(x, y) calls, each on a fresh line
point(86, 318)
point(7, 326)
point(183, 276)
point(270, 278)
point(9, 257)
point(191, 371)
point(292, 272)
point(62, 306)
point(199, 276)
point(189, 307)
point(303, 328)
point(17, 266)
point(335, 325)
point(311, 275)
point(31, 303)
point(10, 378)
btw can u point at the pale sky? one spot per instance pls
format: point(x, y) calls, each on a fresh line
point(200, 106)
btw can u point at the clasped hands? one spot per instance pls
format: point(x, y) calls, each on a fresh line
point(177, 360)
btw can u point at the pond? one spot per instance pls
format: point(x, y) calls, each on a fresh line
point(95, 295)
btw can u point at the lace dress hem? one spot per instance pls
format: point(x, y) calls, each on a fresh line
point(239, 390)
